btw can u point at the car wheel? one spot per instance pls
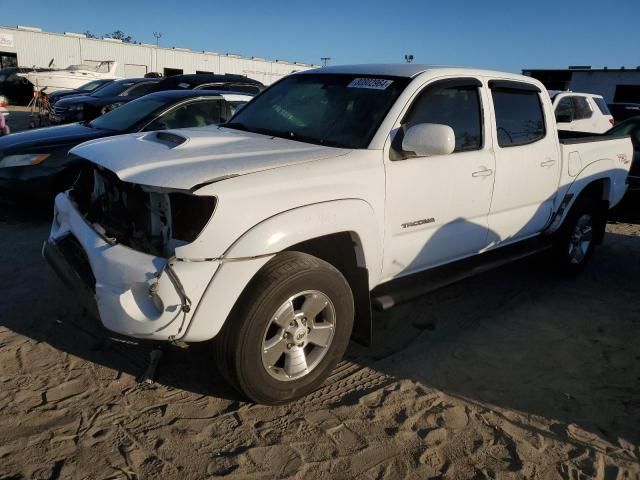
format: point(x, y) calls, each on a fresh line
point(288, 330)
point(575, 241)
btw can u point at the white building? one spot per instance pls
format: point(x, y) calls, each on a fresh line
point(614, 84)
point(31, 47)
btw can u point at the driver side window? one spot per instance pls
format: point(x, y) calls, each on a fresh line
point(455, 106)
point(192, 115)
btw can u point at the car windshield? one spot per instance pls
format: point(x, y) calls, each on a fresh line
point(114, 89)
point(123, 118)
point(325, 109)
point(91, 86)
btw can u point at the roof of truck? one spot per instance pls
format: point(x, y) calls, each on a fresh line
point(409, 70)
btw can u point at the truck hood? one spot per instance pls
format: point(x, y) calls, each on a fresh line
point(183, 159)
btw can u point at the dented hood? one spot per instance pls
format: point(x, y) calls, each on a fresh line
point(183, 159)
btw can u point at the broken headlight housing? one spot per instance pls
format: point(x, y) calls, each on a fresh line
point(149, 219)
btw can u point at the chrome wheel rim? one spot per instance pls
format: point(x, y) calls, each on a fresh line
point(580, 239)
point(298, 335)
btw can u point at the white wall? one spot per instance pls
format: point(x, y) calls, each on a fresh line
point(38, 48)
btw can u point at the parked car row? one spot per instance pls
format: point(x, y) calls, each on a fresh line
point(35, 163)
point(76, 107)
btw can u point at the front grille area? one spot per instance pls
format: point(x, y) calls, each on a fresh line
point(148, 220)
point(122, 211)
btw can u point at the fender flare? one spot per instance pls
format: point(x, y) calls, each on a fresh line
point(254, 248)
point(279, 232)
point(603, 169)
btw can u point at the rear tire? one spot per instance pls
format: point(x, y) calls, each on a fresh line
point(575, 241)
point(288, 330)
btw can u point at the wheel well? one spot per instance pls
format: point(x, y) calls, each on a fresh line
point(344, 251)
point(599, 190)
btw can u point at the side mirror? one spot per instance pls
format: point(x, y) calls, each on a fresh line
point(426, 139)
point(564, 118)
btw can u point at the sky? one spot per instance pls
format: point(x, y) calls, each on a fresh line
point(499, 34)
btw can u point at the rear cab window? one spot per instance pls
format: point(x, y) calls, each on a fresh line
point(519, 113)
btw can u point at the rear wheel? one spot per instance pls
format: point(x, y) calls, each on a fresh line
point(575, 241)
point(289, 329)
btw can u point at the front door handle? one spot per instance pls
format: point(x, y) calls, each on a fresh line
point(482, 173)
point(548, 163)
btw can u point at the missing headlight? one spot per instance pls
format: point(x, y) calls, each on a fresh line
point(189, 215)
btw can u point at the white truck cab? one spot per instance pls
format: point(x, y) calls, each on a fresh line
point(274, 234)
point(581, 112)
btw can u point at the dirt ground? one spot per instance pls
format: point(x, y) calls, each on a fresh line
point(512, 374)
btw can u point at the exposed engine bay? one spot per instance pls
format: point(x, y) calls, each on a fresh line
point(144, 218)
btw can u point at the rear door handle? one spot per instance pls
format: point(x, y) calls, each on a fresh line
point(548, 163)
point(482, 173)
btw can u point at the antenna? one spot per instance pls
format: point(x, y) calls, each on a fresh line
point(158, 35)
point(325, 61)
point(408, 58)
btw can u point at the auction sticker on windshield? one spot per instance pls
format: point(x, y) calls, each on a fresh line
point(373, 83)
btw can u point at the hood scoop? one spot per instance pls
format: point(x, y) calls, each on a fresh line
point(171, 140)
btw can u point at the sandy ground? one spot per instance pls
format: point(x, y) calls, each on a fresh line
point(513, 374)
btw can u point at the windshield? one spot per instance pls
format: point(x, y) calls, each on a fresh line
point(326, 109)
point(129, 114)
point(91, 86)
point(114, 89)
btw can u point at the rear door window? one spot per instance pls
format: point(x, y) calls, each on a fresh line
point(519, 116)
point(583, 110)
point(565, 109)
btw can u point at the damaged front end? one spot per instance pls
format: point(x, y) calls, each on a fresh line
point(147, 219)
point(125, 236)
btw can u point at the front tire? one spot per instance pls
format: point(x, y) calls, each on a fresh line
point(288, 330)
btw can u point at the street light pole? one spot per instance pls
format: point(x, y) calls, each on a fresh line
point(325, 61)
point(408, 58)
point(157, 35)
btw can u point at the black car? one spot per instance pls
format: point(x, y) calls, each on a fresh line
point(86, 89)
point(35, 163)
point(17, 89)
point(88, 107)
point(623, 111)
point(631, 127)
point(210, 81)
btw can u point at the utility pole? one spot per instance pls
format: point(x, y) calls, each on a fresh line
point(157, 35)
point(408, 58)
point(325, 61)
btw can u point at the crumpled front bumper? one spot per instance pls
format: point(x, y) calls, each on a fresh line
point(133, 292)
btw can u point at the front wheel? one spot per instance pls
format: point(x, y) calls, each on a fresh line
point(289, 329)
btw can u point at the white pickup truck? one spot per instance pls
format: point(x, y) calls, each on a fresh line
point(275, 234)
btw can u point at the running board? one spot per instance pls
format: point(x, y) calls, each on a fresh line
point(408, 288)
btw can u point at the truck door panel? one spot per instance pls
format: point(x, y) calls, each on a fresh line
point(527, 162)
point(437, 206)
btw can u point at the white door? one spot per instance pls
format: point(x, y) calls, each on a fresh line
point(527, 163)
point(437, 206)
